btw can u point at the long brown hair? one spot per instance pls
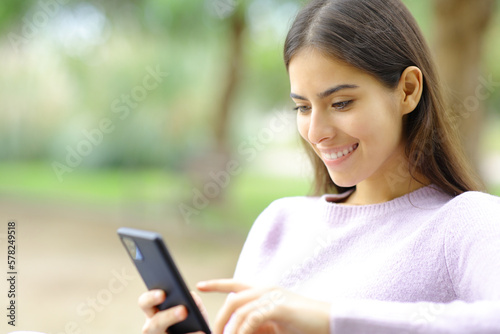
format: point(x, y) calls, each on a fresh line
point(382, 38)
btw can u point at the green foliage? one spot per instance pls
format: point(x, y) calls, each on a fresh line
point(157, 189)
point(37, 181)
point(11, 12)
point(71, 92)
point(53, 93)
point(491, 55)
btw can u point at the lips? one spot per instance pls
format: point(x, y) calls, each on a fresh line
point(339, 152)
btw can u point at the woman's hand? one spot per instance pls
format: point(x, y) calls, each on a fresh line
point(158, 321)
point(266, 310)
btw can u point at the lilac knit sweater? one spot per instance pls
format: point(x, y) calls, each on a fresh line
point(421, 263)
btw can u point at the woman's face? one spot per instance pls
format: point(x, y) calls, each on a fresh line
point(352, 121)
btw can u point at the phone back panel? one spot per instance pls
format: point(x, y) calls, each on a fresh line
point(159, 271)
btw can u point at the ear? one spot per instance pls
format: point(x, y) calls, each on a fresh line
point(411, 84)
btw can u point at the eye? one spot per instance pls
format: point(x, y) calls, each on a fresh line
point(302, 109)
point(341, 105)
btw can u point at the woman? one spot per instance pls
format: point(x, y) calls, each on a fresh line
point(407, 245)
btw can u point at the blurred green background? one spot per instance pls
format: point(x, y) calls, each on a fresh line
point(171, 115)
point(68, 66)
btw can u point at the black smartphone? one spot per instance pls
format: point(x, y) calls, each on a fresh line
point(158, 270)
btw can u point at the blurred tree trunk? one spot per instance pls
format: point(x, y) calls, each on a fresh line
point(234, 64)
point(212, 167)
point(460, 28)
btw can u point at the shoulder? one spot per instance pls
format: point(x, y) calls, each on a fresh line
point(273, 230)
point(472, 217)
point(287, 209)
point(477, 196)
point(285, 216)
point(291, 205)
point(472, 244)
point(474, 204)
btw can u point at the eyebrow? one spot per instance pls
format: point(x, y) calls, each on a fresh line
point(326, 93)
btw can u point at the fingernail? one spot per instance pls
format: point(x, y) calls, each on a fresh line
point(202, 284)
point(179, 312)
point(158, 294)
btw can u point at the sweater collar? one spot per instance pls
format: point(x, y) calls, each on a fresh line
point(430, 196)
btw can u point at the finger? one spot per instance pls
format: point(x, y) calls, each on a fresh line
point(221, 285)
point(247, 317)
point(253, 315)
point(197, 299)
point(200, 305)
point(149, 300)
point(233, 302)
point(164, 319)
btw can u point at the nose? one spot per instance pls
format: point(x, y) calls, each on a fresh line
point(320, 126)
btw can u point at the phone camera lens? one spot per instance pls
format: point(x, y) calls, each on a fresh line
point(132, 249)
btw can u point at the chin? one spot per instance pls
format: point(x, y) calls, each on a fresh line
point(344, 183)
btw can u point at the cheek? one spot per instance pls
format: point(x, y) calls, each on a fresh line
point(381, 134)
point(303, 126)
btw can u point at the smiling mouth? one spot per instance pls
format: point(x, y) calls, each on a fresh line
point(337, 155)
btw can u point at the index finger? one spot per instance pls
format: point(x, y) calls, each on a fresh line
point(222, 285)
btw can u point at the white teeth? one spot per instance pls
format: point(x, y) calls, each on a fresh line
point(340, 154)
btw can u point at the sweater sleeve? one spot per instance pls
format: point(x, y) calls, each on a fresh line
point(381, 317)
point(472, 253)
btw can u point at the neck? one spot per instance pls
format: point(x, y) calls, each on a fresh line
point(389, 183)
point(372, 193)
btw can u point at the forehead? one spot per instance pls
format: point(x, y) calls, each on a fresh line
point(312, 71)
